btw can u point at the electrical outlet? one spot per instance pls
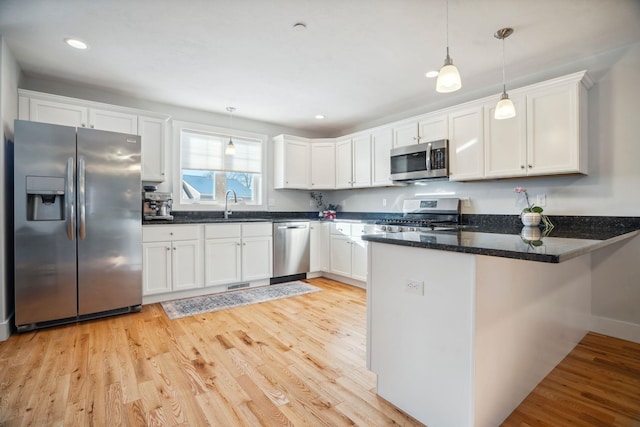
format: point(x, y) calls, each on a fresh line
point(414, 287)
point(311, 203)
point(384, 202)
point(541, 200)
point(466, 202)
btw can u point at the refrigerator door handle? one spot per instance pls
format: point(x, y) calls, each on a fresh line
point(70, 200)
point(81, 199)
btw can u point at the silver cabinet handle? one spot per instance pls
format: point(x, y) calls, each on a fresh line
point(428, 160)
point(82, 199)
point(168, 248)
point(530, 166)
point(70, 200)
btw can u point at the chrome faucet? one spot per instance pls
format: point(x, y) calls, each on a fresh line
point(227, 212)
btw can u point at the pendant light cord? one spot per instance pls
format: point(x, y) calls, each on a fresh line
point(504, 86)
point(447, 16)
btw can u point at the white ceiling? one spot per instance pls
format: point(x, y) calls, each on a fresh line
point(357, 60)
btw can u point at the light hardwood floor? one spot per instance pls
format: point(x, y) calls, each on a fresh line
point(296, 361)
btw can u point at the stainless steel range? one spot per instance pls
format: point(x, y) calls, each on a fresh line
point(424, 215)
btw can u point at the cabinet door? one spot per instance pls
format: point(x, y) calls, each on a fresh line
point(186, 264)
point(405, 134)
point(257, 258)
point(319, 247)
point(344, 163)
point(156, 268)
point(113, 121)
point(553, 132)
point(341, 255)
point(222, 261)
point(323, 166)
point(361, 161)
point(57, 113)
point(505, 142)
point(381, 143)
point(433, 128)
point(466, 139)
point(152, 131)
point(296, 164)
point(358, 259)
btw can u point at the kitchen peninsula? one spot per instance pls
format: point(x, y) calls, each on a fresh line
point(463, 325)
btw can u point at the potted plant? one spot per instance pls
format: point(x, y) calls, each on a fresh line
point(327, 211)
point(532, 215)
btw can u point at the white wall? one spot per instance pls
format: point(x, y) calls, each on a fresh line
point(9, 75)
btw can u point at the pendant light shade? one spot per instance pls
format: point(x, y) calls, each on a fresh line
point(449, 76)
point(505, 108)
point(230, 150)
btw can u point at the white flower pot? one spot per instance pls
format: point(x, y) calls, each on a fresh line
point(530, 219)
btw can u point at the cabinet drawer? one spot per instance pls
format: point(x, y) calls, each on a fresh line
point(159, 233)
point(358, 230)
point(221, 231)
point(256, 229)
point(341, 228)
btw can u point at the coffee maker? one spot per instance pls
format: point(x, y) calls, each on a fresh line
point(157, 205)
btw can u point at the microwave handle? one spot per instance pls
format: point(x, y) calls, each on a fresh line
point(428, 165)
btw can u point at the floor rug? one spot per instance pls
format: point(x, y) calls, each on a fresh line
point(207, 303)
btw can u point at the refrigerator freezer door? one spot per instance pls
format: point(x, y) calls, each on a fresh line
point(45, 257)
point(109, 221)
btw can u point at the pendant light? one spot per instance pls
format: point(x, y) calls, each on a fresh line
point(448, 77)
point(231, 149)
point(505, 108)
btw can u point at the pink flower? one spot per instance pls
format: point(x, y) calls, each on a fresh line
point(520, 190)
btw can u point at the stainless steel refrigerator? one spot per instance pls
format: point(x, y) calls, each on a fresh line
point(77, 231)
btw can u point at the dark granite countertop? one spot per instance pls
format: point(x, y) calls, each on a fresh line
point(559, 245)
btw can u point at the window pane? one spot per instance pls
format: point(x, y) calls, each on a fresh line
point(201, 151)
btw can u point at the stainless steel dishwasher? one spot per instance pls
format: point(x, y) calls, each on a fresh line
point(290, 249)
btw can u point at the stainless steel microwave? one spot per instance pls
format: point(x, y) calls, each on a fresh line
point(420, 161)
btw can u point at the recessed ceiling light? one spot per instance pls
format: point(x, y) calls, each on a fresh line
point(299, 26)
point(78, 44)
point(431, 74)
point(319, 116)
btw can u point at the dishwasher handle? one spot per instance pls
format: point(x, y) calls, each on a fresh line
point(284, 227)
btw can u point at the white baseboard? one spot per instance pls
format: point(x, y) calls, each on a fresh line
point(616, 328)
point(343, 279)
point(5, 328)
point(197, 292)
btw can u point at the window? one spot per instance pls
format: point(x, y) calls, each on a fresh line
point(206, 173)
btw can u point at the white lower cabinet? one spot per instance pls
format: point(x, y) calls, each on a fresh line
point(348, 251)
point(172, 258)
point(239, 252)
point(319, 245)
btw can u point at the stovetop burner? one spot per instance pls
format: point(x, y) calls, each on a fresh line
point(424, 215)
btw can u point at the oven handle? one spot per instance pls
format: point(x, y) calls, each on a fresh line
point(428, 165)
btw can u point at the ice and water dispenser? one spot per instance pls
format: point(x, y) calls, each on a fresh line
point(45, 198)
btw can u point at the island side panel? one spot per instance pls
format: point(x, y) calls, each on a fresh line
point(421, 344)
point(529, 316)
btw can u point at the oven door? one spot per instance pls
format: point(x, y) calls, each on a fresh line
point(420, 161)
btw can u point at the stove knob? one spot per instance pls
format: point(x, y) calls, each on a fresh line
point(383, 228)
point(412, 229)
point(399, 229)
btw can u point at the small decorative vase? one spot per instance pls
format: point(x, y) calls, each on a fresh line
point(530, 234)
point(530, 219)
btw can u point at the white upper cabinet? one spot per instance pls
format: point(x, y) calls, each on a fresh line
point(557, 127)
point(466, 144)
point(344, 164)
point(433, 127)
point(381, 143)
point(113, 121)
point(505, 141)
point(152, 132)
point(291, 162)
point(405, 133)
point(57, 113)
point(323, 165)
point(361, 146)
point(548, 136)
